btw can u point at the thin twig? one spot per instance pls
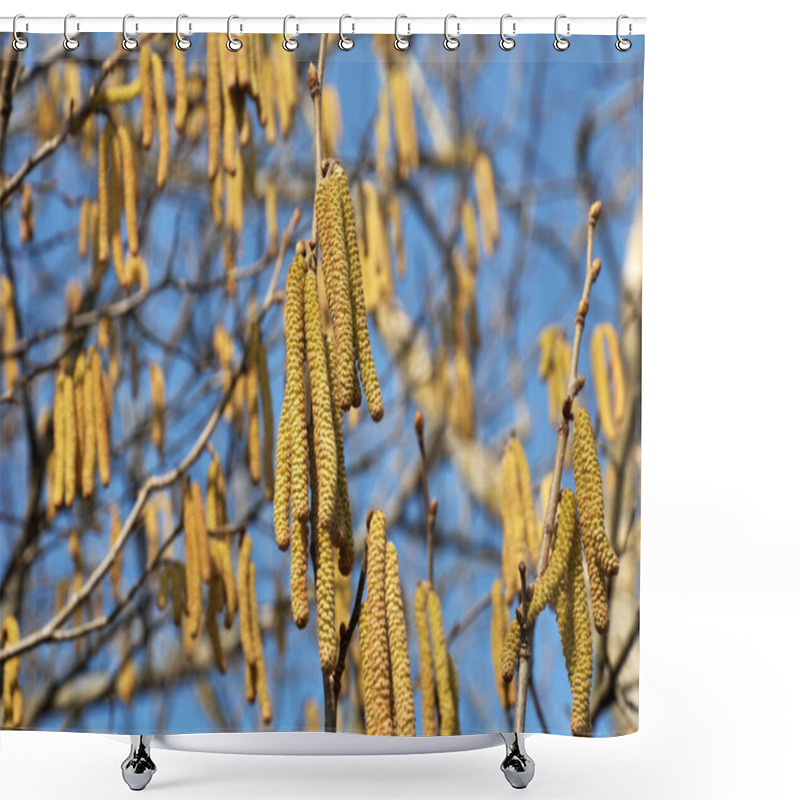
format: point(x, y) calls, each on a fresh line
point(431, 506)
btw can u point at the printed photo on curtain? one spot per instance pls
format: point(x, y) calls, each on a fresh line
point(320, 396)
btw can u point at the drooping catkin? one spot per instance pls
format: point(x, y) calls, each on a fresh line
point(260, 676)
point(405, 131)
point(126, 676)
point(448, 720)
point(601, 384)
point(267, 422)
point(511, 645)
point(499, 627)
point(283, 480)
point(8, 316)
point(331, 120)
point(148, 120)
point(201, 532)
point(129, 187)
point(158, 398)
point(26, 221)
point(515, 514)
point(402, 692)
point(214, 605)
point(116, 203)
point(581, 721)
point(253, 422)
point(9, 636)
point(162, 116)
point(597, 589)
point(325, 592)
point(103, 205)
point(483, 176)
point(101, 428)
point(334, 261)
point(243, 594)
point(179, 593)
point(59, 444)
point(299, 572)
point(426, 677)
point(295, 384)
point(554, 367)
point(213, 113)
point(589, 489)
point(220, 547)
point(116, 564)
point(150, 515)
point(181, 90)
point(374, 634)
point(70, 441)
point(325, 457)
point(89, 452)
point(366, 363)
point(194, 577)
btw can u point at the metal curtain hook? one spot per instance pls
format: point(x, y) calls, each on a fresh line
point(70, 42)
point(18, 42)
point(289, 42)
point(128, 42)
point(622, 44)
point(233, 44)
point(182, 42)
point(451, 42)
point(345, 42)
point(561, 43)
point(507, 42)
point(401, 42)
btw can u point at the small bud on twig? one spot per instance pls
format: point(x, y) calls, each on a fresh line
point(369, 518)
point(419, 423)
point(434, 509)
point(313, 78)
point(594, 211)
point(596, 266)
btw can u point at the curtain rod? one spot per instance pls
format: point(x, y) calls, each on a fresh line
point(298, 25)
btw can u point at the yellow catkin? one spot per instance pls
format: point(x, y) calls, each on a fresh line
point(78, 380)
point(331, 120)
point(267, 423)
point(405, 132)
point(382, 134)
point(213, 113)
point(214, 605)
point(59, 442)
point(17, 709)
point(26, 221)
point(8, 316)
point(181, 90)
point(617, 372)
point(589, 489)
point(508, 661)
point(148, 120)
point(448, 721)
point(158, 399)
point(162, 119)
point(285, 74)
point(581, 721)
point(597, 590)
point(179, 594)
point(483, 177)
point(602, 385)
point(260, 667)
point(126, 676)
point(70, 442)
point(216, 190)
point(335, 269)
point(499, 627)
point(563, 609)
point(366, 363)
point(194, 578)
point(514, 518)
point(101, 430)
point(116, 200)
point(253, 426)
point(121, 93)
point(402, 692)
point(9, 636)
point(228, 89)
point(311, 716)
point(103, 204)
point(299, 572)
point(129, 187)
point(283, 481)
point(453, 675)
point(607, 338)
point(324, 581)
point(295, 384)
point(150, 515)
point(201, 532)
point(89, 453)
point(243, 592)
point(220, 548)
point(271, 212)
point(469, 227)
point(84, 228)
point(116, 565)
point(426, 677)
point(375, 636)
point(266, 97)
point(324, 436)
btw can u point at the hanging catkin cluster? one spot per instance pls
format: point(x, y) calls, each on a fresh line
point(80, 431)
point(310, 455)
point(438, 677)
point(601, 560)
point(341, 268)
point(388, 694)
point(12, 694)
point(499, 629)
point(608, 374)
point(521, 533)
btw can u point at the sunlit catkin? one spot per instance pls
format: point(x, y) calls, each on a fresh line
point(70, 442)
point(201, 532)
point(324, 437)
point(448, 720)
point(181, 90)
point(214, 605)
point(101, 429)
point(405, 131)
point(213, 114)
point(253, 422)
point(299, 572)
point(158, 398)
point(402, 692)
point(581, 722)
point(283, 480)
point(116, 564)
point(129, 187)
point(331, 233)
point(26, 224)
point(148, 120)
point(162, 117)
point(374, 634)
point(59, 442)
point(8, 317)
point(589, 489)
point(426, 677)
point(9, 636)
point(295, 384)
point(116, 203)
point(267, 421)
point(324, 579)
point(243, 595)
point(260, 676)
point(103, 157)
point(483, 176)
point(194, 578)
point(499, 627)
point(508, 661)
point(516, 510)
point(366, 363)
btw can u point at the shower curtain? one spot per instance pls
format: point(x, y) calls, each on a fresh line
point(320, 401)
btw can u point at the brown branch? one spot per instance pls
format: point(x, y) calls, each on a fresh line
point(431, 506)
